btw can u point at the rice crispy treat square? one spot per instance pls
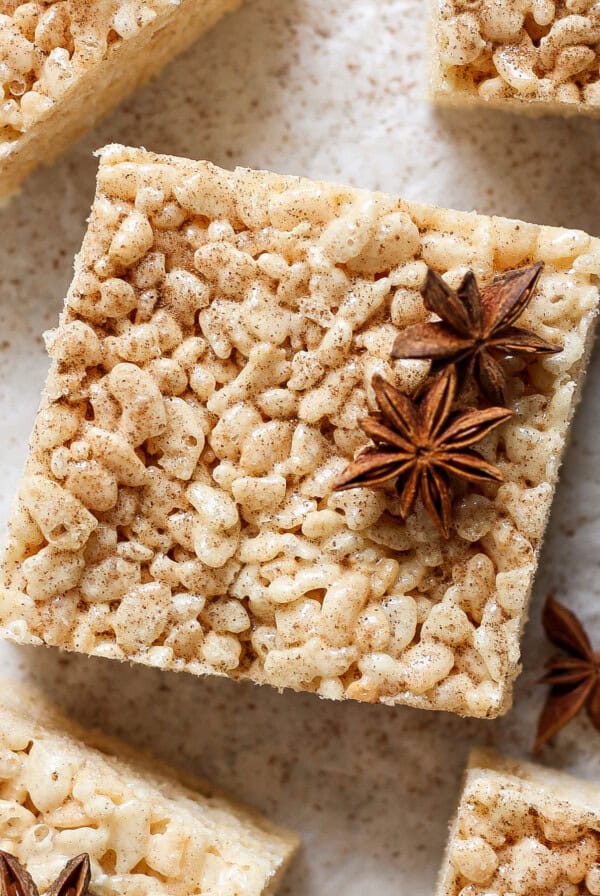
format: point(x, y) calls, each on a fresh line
point(66, 63)
point(522, 830)
point(535, 56)
point(148, 830)
point(208, 374)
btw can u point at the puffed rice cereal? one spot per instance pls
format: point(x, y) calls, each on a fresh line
point(65, 63)
point(147, 830)
point(214, 356)
point(522, 830)
point(538, 56)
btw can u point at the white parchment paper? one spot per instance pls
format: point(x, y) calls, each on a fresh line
point(330, 89)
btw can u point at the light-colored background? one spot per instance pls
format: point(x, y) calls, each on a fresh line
point(329, 89)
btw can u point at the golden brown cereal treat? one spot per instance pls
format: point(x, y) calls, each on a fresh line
point(537, 56)
point(524, 830)
point(65, 63)
point(148, 831)
point(215, 355)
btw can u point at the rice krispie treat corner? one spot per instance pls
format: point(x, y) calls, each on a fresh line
point(522, 830)
point(216, 353)
point(65, 63)
point(148, 831)
point(537, 56)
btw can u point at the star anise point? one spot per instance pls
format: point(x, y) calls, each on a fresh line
point(73, 880)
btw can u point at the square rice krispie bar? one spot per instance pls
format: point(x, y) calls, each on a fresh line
point(148, 831)
point(523, 830)
point(215, 355)
point(537, 56)
point(65, 63)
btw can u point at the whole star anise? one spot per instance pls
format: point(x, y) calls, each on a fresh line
point(15, 880)
point(476, 329)
point(573, 676)
point(423, 445)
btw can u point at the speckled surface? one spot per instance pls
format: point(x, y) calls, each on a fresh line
point(333, 90)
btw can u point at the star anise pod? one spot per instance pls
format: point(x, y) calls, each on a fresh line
point(15, 880)
point(573, 675)
point(476, 329)
point(422, 445)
